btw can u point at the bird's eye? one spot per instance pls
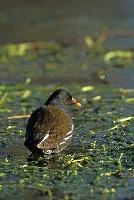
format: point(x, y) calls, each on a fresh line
point(68, 98)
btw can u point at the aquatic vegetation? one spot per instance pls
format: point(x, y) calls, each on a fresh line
point(97, 164)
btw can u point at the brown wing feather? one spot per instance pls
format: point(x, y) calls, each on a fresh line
point(60, 126)
point(43, 124)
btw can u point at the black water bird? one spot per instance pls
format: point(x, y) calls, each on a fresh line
point(50, 127)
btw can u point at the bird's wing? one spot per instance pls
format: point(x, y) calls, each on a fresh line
point(39, 124)
point(57, 125)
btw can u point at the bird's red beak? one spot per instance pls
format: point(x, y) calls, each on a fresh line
point(75, 102)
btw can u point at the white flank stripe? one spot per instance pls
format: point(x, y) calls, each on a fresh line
point(67, 138)
point(46, 136)
point(70, 130)
point(62, 143)
point(69, 134)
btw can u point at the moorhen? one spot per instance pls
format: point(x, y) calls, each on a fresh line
point(50, 127)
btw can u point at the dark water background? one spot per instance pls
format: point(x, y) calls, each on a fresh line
point(65, 22)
